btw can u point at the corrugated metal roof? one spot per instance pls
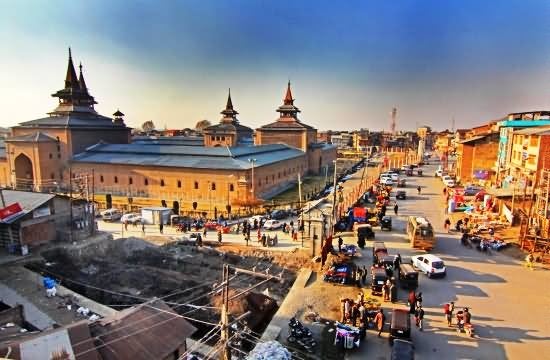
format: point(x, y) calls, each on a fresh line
point(144, 332)
point(188, 156)
point(34, 137)
point(73, 120)
point(472, 139)
point(537, 130)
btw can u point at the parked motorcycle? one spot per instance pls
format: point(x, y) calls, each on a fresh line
point(301, 335)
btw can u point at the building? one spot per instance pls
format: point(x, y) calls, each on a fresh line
point(342, 140)
point(222, 168)
point(477, 153)
point(530, 154)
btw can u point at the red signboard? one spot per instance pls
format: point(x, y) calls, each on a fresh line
point(10, 210)
point(359, 214)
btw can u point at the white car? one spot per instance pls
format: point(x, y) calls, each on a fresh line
point(386, 181)
point(394, 176)
point(448, 181)
point(258, 219)
point(131, 218)
point(429, 264)
point(273, 225)
point(439, 172)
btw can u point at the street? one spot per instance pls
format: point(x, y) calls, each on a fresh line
point(509, 303)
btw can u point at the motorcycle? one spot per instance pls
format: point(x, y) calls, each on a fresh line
point(301, 335)
point(464, 240)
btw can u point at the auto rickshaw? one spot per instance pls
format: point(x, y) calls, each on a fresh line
point(379, 278)
point(387, 263)
point(385, 223)
point(364, 232)
point(419, 172)
point(400, 325)
point(378, 251)
point(408, 276)
point(409, 172)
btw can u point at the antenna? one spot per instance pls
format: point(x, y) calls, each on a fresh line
point(393, 117)
point(453, 125)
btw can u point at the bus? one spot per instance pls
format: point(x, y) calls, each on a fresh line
point(421, 233)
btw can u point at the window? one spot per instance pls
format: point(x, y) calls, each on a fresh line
point(146, 182)
point(533, 141)
point(231, 187)
point(213, 137)
point(179, 183)
point(52, 176)
point(196, 184)
point(51, 156)
point(260, 183)
point(116, 179)
point(223, 138)
point(130, 181)
point(161, 182)
point(213, 186)
point(59, 156)
point(266, 179)
point(101, 178)
point(273, 178)
point(279, 175)
point(217, 138)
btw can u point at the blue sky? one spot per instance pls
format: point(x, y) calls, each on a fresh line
point(349, 62)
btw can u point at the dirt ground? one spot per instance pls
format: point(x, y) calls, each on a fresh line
point(130, 271)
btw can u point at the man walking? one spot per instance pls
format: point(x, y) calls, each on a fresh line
point(448, 309)
point(395, 208)
point(161, 227)
point(379, 319)
point(419, 317)
point(340, 243)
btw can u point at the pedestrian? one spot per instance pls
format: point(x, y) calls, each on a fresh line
point(530, 261)
point(199, 240)
point(395, 208)
point(379, 319)
point(294, 235)
point(393, 293)
point(220, 236)
point(347, 310)
point(358, 276)
point(143, 227)
point(354, 314)
point(264, 240)
point(362, 312)
point(126, 225)
point(364, 277)
point(448, 309)
point(204, 232)
point(411, 301)
point(447, 225)
point(161, 227)
point(340, 243)
point(343, 310)
point(259, 235)
point(385, 292)
point(445, 191)
point(419, 189)
point(418, 299)
point(419, 317)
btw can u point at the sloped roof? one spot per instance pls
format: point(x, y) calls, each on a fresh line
point(34, 137)
point(537, 130)
point(144, 332)
point(28, 201)
point(284, 124)
point(73, 120)
point(223, 158)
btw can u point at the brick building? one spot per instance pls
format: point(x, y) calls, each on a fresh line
point(226, 169)
point(530, 154)
point(476, 157)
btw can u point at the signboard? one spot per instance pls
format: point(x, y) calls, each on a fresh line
point(10, 210)
point(360, 214)
point(481, 174)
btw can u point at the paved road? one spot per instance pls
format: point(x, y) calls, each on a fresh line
point(510, 304)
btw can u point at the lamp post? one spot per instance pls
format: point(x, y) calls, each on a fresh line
point(253, 162)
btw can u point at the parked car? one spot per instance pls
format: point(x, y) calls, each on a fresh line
point(272, 225)
point(131, 218)
point(429, 264)
point(394, 176)
point(386, 181)
point(401, 195)
point(279, 214)
point(111, 214)
point(448, 181)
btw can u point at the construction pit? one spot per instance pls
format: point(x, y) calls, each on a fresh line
point(124, 272)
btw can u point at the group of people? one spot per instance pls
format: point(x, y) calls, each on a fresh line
point(389, 290)
point(415, 307)
point(356, 314)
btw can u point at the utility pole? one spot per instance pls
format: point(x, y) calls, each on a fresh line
point(93, 202)
point(333, 218)
point(299, 192)
point(226, 353)
point(70, 204)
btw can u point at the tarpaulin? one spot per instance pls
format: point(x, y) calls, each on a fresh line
point(360, 213)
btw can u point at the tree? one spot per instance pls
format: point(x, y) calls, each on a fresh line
point(148, 126)
point(201, 125)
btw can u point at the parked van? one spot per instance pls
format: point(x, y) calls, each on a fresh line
point(111, 214)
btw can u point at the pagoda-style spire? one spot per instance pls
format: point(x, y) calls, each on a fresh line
point(229, 114)
point(71, 81)
point(81, 80)
point(288, 111)
point(288, 97)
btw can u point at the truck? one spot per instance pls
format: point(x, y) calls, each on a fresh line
point(421, 233)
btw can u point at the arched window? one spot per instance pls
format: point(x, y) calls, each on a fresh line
point(266, 179)
point(116, 179)
point(52, 176)
point(179, 183)
point(196, 184)
point(231, 187)
point(146, 182)
point(161, 182)
point(130, 181)
point(100, 178)
point(51, 156)
point(213, 186)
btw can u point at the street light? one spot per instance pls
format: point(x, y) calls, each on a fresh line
point(252, 161)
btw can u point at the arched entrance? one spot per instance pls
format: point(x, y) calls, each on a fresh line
point(24, 177)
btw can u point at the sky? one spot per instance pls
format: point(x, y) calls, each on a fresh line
point(349, 62)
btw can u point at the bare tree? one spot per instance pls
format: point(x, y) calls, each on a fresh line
point(148, 126)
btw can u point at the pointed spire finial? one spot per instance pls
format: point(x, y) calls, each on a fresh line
point(70, 55)
point(71, 81)
point(288, 97)
point(229, 105)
